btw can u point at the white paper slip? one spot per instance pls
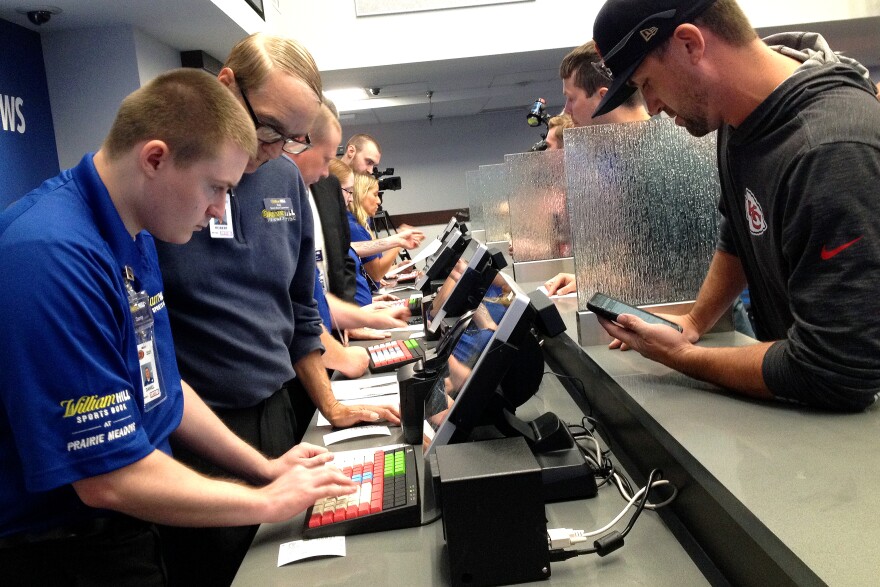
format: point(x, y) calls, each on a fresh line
point(391, 290)
point(358, 388)
point(387, 399)
point(429, 250)
point(543, 290)
point(407, 328)
point(290, 552)
point(356, 432)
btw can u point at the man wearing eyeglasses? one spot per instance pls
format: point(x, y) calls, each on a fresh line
point(240, 295)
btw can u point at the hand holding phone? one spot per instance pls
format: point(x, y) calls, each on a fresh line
point(610, 308)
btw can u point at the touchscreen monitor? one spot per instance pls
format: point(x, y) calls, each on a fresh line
point(476, 366)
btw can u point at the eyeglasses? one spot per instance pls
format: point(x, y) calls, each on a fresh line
point(349, 191)
point(269, 134)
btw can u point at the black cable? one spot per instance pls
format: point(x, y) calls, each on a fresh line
point(653, 476)
point(582, 389)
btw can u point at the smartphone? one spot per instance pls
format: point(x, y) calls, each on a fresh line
point(610, 308)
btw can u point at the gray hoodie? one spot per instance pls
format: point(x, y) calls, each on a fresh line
point(800, 199)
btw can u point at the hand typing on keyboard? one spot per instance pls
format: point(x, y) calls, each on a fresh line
point(303, 475)
point(387, 496)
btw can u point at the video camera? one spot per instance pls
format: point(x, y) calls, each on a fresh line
point(388, 183)
point(540, 145)
point(538, 114)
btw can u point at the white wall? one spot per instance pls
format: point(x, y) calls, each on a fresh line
point(89, 72)
point(432, 159)
point(153, 57)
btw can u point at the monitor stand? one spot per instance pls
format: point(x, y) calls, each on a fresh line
point(564, 469)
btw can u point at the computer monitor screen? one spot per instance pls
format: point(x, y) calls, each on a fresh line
point(440, 263)
point(477, 268)
point(450, 226)
point(476, 366)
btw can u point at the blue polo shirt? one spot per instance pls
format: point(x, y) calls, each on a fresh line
point(71, 383)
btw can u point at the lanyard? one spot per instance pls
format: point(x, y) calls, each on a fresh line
point(142, 318)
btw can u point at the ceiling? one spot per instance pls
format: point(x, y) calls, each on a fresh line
point(458, 87)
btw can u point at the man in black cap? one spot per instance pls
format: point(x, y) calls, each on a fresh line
point(799, 161)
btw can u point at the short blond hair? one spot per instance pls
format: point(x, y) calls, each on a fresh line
point(252, 58)
point(557, 124)
point(363, 183)
point(324, 125)
point(189, 110)
point(341, 170)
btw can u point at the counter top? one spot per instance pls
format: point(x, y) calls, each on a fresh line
point(810, 478)
point(416, 556)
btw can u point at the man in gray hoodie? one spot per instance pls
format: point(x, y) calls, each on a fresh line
point(799, 162)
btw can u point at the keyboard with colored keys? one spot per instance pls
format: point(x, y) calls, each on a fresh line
point(387, 356)
point(388, 496)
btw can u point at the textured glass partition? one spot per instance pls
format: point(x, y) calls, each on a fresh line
point(539, 226)
point(475, 200)
point(642, 199)
point(496, 213)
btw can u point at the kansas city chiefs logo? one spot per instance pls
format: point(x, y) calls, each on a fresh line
point(754, 215)
point(648, 34)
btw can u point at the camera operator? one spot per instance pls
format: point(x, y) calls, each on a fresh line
point(362, 153)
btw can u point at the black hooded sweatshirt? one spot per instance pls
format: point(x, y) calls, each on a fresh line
point(800, 182)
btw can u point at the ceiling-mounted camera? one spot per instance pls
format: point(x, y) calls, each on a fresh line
point(374, 91)
point(39, 15)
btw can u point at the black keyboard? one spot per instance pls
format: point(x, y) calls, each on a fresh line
point(388, 497)
point(387, 356)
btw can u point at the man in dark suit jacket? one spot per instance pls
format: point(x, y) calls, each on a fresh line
point(337, 237)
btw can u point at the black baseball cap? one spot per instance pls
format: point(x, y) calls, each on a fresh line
point(625, 32)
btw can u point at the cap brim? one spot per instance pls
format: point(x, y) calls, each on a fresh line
point(619, 91)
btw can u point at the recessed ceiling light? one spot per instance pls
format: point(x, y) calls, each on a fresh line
point(346, 94)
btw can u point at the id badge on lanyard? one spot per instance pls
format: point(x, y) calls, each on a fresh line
point(142, 317)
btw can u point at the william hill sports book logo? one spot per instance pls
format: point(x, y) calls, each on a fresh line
point(92, 403)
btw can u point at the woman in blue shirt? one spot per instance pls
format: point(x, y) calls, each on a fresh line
point(376, 256)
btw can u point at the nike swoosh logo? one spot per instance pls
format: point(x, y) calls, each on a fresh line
point(826, 254)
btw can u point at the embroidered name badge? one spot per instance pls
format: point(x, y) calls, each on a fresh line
point(755, 215)
point(278, 210)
